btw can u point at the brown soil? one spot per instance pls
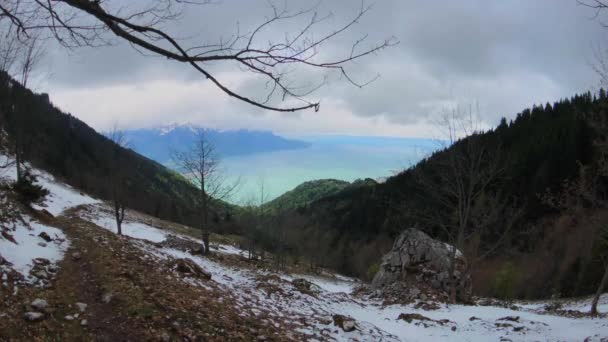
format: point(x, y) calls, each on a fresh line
point(149, 301)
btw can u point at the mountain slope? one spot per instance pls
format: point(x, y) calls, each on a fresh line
point(74, 152)
point(540, 150)
point(312, 191)
point(148, 286)
point(158, 143)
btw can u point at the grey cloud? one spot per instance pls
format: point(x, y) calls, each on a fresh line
point(506, 55)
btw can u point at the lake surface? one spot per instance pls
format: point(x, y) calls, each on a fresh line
point(340, 157)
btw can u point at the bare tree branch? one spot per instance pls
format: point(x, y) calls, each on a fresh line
point(76, 23)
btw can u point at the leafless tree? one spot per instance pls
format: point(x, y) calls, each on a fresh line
point(457, 182)
point(201, 164)
point(117, 178)
point(75, 23)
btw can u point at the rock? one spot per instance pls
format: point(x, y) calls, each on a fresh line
point(41, 274)
point(427, 306)
point(82, 307)
point(164, 337)
point(419, 265)
point(84, 323)
point(345, 323)
point(551, 307)
point(76, 255)
point(305, 286)
point(106, 297)
point(46, 213)
point(44, 236)
point(41, 244)
point(69, 318)
point(8, 236)
point(189, 267)
point(41, 261)
point(39, 304)
point(509, 318)
point(33, 316)
point(52, 268)
point(262, 338)
point(413, 316)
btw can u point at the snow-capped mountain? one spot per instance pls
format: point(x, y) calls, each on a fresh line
point(158, 143)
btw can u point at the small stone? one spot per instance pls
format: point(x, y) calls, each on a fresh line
point(41, 274)
point(165, 337)
point(262, 338)
point(52, 268)
point(33, 316)
point(41, 261)
point(81, 307)
point(44, 236)
point(76, 256)
point(348, 326)
point(39, 304)
point(84, 323)
point(41, 244)
point(69, 318)
point(106, 297)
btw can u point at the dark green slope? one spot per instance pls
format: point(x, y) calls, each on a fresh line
point(71, 150)
point(539, 150)
point(311, 191)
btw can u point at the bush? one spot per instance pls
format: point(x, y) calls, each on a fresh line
point(27, 191)
point(506, 282)
point(372, 270)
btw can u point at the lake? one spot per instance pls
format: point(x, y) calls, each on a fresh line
point(340, 157)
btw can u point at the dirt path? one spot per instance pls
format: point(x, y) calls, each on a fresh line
point(129, 298)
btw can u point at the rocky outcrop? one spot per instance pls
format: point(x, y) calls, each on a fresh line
point(305, 286)
point(345, 323)
point(417, 267)
point(190, 268)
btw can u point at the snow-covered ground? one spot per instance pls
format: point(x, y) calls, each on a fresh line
point(272, 296)
point(29, 246)
point(61, 196)
point(24, 230)
point(312, 314)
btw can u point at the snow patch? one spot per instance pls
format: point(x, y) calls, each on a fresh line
point(28, 247)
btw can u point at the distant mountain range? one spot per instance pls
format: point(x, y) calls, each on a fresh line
point(158, 143)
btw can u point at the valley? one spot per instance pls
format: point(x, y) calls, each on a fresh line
point(282, 170)
point(131, 288)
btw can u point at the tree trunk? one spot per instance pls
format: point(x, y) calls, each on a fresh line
point(452, 271)
point(599, 292)
point(18, 162)
point(204, 227)
point(206, 242)
point(119, 213)
point(452, 280)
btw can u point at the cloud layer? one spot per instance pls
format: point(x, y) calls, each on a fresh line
point(504, 55)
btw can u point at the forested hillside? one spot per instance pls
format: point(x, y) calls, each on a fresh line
point(311, 191)
point(73, 151)
point(531, 165)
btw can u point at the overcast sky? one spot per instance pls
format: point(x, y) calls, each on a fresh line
point(503, 55)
